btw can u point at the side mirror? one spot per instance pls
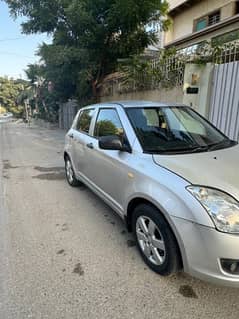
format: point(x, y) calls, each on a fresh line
point(111, 142)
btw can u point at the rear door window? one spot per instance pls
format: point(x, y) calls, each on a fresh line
point(84, 121)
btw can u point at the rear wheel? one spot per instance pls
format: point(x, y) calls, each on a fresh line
point(70, 174)
point(155, 240)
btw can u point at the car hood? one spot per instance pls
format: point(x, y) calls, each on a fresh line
point(218, 169)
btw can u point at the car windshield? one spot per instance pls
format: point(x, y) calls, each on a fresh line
point(175, 130)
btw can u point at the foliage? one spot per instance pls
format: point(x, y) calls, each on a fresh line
point(137, 72)
point(10, 90)
point(88, 37)
point(34, 72)
point(167, 69)
point(2, 110)
point(224, 38)
point(47, 104)
point(40, 95)
point(142, 74)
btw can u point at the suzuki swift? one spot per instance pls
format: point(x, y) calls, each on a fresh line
point(171, 175)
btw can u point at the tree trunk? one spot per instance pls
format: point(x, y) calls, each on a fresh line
point(95, 91)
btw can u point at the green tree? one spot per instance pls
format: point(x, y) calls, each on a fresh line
point(34, 72)
point(89, 36)
point(39, 94)
point(10, 90)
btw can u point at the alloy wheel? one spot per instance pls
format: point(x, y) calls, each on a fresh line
point(150, 240)
point(69, 171)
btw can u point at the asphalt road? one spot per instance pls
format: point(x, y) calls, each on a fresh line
point(65, 254)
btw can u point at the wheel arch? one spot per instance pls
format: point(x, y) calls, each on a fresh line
point(141, 200)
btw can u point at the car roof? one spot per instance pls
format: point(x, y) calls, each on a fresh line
point(135, 104)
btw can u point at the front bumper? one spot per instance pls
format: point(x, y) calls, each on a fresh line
point(203, 247)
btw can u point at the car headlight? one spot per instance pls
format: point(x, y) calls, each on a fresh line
point(223, 209)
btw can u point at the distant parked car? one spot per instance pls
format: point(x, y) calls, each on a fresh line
point(171, 175)
point(5, 117)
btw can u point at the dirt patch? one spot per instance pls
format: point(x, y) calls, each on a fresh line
point(60, 252)
point(78, 270)
point(51, 176)
point(7, 165)
point(64, 227)
point(131, 243)
point(82, 187)
point(50, 173)
point(187, 291)
point(49, 169)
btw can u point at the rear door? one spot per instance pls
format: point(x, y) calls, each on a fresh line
point(82, 140)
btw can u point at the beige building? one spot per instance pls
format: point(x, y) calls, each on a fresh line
point(196, 21)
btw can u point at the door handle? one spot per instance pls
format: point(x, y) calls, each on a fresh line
point(90, 145)
point(71, 135)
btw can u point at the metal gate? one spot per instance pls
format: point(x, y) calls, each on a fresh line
point(67, 112)
point(224, 108)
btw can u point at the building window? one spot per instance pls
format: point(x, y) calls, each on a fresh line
point(206, 21)
point(237, 7)
point(201, 24)
point(214, 18)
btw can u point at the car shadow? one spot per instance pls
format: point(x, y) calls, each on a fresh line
point(183, 284)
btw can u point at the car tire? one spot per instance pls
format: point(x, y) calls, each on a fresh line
point(155, 240)
point(70, 174)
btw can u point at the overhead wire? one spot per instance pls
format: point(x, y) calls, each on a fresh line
point(16, 54)
point(13, 53)
point(12, 39)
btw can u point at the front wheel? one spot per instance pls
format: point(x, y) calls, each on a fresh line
point(155, 240)
point(70, 174)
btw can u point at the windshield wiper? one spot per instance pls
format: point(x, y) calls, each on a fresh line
point(196, 149)
point(180, 150)
point(223, 144)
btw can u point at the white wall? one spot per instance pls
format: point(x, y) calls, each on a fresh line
point(163, 95)
point(183, 21)
point(203, 73)
point(175, 3)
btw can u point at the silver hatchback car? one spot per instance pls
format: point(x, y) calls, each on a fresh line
point(171, 175)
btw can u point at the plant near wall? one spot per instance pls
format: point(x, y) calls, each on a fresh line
point(167, 69)
point(141, 73)
point(137, 72)
point(201, 55)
